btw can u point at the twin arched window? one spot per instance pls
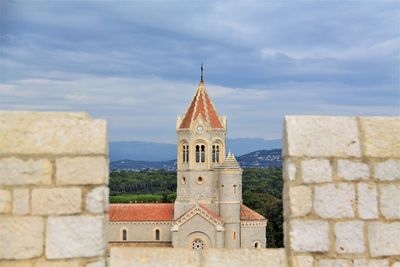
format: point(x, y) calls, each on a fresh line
point(185, 155)
point(200, 153)
point(215, 153)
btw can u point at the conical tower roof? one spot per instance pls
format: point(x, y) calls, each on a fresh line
point(201, 106)
point(230, 162)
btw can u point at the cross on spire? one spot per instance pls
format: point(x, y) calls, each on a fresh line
point(201, 69)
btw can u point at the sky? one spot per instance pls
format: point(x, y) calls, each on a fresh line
point(137, 63)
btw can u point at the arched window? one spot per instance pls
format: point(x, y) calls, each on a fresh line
point(185, 153)
point(234, 188)
point(234, 235)
point(203, 153)
point(157, 234)
point(124, 234)
point(257, 244)
point(215, 153)
point(197, 153)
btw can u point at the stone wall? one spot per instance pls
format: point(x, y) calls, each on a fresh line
point(173, 257)
point(53, 189)
point(342, 191)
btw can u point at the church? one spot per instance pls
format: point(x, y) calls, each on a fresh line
point(208, 210)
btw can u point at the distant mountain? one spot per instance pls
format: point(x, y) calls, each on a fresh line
point(257, 159)
point(149, 151)
point(261, 159)
point(241, 146)
point(135, 165)
point(141, 151)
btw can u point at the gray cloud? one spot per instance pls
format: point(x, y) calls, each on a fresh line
point(136, 63)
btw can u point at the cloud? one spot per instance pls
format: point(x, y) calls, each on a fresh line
point(146, 108)
point(137, 63)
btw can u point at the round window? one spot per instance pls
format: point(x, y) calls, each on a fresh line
point(198, 244)
point(200, 180)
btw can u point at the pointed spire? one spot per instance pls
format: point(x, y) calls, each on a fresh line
point(201, 107)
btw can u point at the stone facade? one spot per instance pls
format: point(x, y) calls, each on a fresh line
point(46, 202)
point(341, 191)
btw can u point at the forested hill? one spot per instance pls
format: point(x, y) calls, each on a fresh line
point(256, 159)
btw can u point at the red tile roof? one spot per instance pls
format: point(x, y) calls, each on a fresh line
point(141, 212)
point(247, 214)
point(165, 212)
point(201, 106)
point(211, 212)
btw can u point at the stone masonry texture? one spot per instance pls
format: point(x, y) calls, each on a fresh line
point(351, 166)
point(83, 234)
point(14, 171)
point(21, 237)
point(52, 215)
point(51, 133)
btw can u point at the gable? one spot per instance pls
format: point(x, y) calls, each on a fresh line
point(203, 212)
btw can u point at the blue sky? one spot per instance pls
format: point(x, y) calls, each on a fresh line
point(136, 63)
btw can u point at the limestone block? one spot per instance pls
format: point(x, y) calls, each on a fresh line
point(334, 201)
point(97, 200)
point(50, 201)
point(384, 238)
point(321, 136)
point(351, 170)
point(51, 133)
point(83, 234)
point(172, 257)
point(290, 170)
point(367, 201)
point(335, 263)
point(381, 136)
point(44, 263)
point(309, 236)
point(155, 257)
point(300, 200)
point(370, 263)
point(5, 201)
point(349, 237)
point(25, 263)
point(303, 261)
point(388, 170)
point(21, 237)
point(100, 263)
point(81, 170)
point(15, 171)
point(316, 171)
point(390, 200)
point(231, 258)
point(20, 201)
point(396, 264)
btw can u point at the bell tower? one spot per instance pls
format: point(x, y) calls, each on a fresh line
point(201, 135)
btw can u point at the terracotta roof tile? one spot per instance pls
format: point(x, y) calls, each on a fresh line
point(247, 214)
point(201, 106)
point(165, 212)
point(141, 212)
